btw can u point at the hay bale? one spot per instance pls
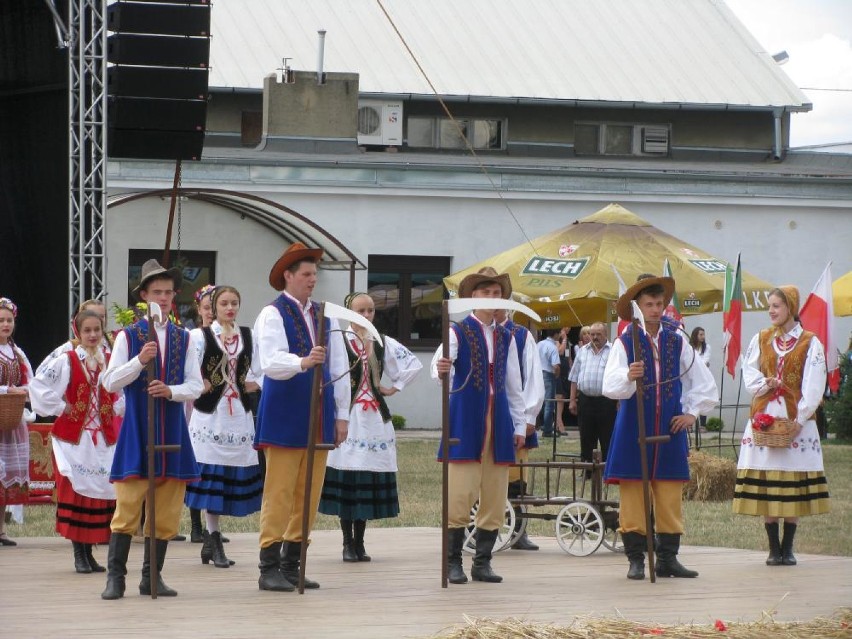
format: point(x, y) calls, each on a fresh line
point(711, 478)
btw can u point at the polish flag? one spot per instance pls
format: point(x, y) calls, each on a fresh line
point(622, 288)
point(817, 316)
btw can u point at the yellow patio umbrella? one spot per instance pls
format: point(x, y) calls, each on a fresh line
point(567, 275)
point(841, 291)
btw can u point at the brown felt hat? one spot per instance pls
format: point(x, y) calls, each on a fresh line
point(485, 275)
point(296, 252)
point(152, 269)
point(623, 306)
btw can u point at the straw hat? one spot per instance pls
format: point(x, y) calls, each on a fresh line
point(624, 307)
point(152, 269)
point(485, 275)
point(296, 252)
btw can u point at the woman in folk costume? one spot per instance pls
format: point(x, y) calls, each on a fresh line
point(15, 376)
point(84, 436)
point(784, 369)
point(360, 476)
point(222, 426)
point(204, 309)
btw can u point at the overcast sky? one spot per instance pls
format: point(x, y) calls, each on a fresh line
point(817, 35)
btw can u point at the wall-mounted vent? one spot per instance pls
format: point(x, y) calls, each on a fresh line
point(655, 139)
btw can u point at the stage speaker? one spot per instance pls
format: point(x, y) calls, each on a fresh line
point(157, 82)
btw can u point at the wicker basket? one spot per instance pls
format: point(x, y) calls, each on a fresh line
point(779, 435)
point(11, 410)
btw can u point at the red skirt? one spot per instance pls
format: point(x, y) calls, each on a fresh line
point(79, 518)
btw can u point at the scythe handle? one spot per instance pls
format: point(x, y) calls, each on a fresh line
point(445, 446)
point(643, 453)
point(314, 426)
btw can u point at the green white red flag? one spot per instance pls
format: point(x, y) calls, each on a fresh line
point(817, 316)
point(732, 318)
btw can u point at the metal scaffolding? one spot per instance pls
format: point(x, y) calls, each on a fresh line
point(86, 39)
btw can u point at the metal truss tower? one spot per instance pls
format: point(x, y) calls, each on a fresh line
point(87, 112)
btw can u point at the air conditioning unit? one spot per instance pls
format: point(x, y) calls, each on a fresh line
point(380, 123)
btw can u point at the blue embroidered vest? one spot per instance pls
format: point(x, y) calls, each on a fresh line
point(665, 461)
point(131, 451)
point(469, 406)
point(519, 333)
point(284, 412)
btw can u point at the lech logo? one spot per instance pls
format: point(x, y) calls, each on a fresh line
point(551, 318)
point(709, 266)
point(560, 268)
point(691, 301)
point(566, 249)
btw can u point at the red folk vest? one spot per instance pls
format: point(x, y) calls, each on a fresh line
point(69, 426)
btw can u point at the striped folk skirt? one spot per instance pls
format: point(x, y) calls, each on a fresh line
point(82, 519)
point(226, 490)
point(780, 493)
point(359, 494)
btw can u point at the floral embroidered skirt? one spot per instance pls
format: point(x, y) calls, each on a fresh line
point(359, 494)
point(226, 490)
point(780, 493)
point(79, 518)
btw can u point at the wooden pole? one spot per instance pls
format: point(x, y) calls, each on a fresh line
point(644, 441)
point(445, 446)
point(314, 430)
point(150, 369)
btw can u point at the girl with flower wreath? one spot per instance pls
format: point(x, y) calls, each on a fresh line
point(15, 376)
point(784, 369)
point(360, 476)
point(83, 437)
point(222, 425)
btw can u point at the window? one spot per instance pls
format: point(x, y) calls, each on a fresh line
point(408, 291)
point(198, 268)
point(598, 138)
point(443, 133)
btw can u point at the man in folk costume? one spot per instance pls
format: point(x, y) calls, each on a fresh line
point(532, 383)
point(286, 333)
point(177, 379)
point(487, 416)
point(677, 388)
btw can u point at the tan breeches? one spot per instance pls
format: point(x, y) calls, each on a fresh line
point(667, 498)
point(130, 495)
point(284, 493)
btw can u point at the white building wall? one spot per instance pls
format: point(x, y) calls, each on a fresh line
point(782, 240)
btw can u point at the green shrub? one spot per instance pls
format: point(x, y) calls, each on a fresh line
point(715, 425)
point(398, 422)
point(838, 410)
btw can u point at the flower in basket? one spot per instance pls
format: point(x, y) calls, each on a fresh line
point(762, 421)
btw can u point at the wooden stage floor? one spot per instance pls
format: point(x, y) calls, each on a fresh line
point(398, 594)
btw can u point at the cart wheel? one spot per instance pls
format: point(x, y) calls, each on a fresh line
point(505, 534)
point(579, 529)
point(612, 540)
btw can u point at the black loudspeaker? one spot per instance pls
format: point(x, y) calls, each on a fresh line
point(157, 81)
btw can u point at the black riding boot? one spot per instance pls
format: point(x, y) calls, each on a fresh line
point(119, 548)
point(219, 558)
point(481, 570)
point(270, 570)
point(774, 558)
point(196, 535)
point(667, 563)
point(787, 557)
point(291, 558)
point(455, 571)
point(145, 584)
point(81, 561)
point(348, 543)
point(96, 567)
point(523, 542)
point(634, 547)
point(359, 528)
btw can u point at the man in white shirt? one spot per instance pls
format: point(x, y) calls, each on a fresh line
point(286, 333)
point(548, 354)
point(595, 412)
point(177, 379)
point(487, 417)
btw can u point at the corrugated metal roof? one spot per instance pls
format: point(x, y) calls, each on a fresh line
point(693, 52)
